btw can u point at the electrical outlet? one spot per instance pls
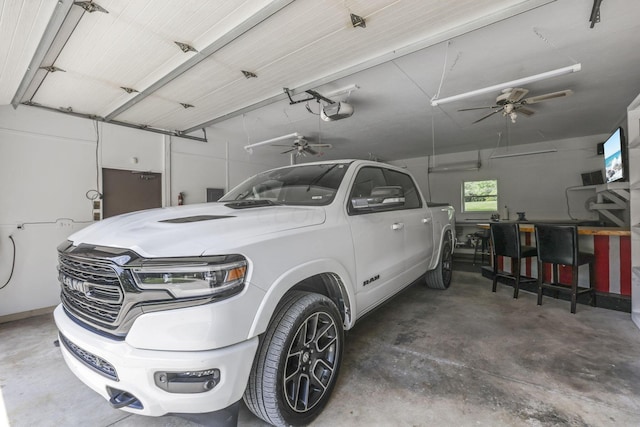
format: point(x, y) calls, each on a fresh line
point(65, 223)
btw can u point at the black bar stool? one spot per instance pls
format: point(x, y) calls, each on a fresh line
point(558, 245)
point(481, 245)
point(505, 241)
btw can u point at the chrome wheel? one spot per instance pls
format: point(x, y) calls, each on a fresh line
point(310, 363)
point(447, 264)
point(440, 277)
point(297, 361)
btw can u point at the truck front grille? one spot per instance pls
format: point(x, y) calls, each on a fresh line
point(99, 292)
point(90, 289)
point(96, 363)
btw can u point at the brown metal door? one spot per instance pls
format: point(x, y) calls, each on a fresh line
point(128, 191)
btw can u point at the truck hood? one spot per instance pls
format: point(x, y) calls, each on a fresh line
point(193, 230)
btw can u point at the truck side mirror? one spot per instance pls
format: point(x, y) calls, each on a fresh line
point(381, 198)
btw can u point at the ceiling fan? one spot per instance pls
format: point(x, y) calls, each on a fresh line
point(512, 101)
point(301, 147)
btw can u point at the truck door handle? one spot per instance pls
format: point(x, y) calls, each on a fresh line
point(426, 220)
point(397, 226)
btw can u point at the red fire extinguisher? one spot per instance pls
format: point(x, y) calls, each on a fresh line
point(180, 199)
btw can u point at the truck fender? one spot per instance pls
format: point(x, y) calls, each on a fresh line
point(290, 278)
point(438, 249)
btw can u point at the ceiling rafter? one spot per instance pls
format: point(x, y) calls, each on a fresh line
point(69, 111)
point(221, 42)
point(61, 23)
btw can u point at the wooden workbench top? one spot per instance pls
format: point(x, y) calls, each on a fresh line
point(582, 230)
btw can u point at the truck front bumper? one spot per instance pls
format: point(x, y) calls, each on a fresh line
point(153, 382)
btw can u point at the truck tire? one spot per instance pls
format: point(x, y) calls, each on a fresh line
point(440, 277)
point(297, 361)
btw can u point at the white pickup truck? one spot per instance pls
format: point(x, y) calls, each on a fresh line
point(190, 309)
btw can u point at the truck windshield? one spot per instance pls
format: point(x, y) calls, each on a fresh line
point(311, 185)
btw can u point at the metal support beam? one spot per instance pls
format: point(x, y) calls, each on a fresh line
point(595, 13)
point(55, 27)
point(178, 134)
point(315, 96)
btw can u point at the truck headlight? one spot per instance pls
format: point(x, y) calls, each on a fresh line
point(191, 279)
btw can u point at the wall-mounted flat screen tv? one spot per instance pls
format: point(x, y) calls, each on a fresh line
point(615, 157)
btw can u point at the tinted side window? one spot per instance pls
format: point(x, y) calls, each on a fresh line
point(369, 178)
point(411, 195)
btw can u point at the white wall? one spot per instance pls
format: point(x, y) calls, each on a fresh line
point(220, 163)
point(47, 165)
point(534, 184)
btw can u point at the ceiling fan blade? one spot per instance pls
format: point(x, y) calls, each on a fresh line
point(310, 151)
point(477, 108)
point(553, 95)
point(525, 111)
point(320, 145)
point(487, 116)
point(288, 151)
point(516, 94)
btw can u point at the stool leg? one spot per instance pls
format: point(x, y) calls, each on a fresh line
point(592, 284)
point(516, 285)
point(540, 274)
point(574, 288)
point(495, 273)
point(485, 249)
point(556, 278)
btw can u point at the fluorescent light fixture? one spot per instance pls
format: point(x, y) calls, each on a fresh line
point(526, 153)
point(342, 91)
point(456, 167)
point(294, 135)
point(513, 83)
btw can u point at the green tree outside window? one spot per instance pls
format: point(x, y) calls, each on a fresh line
point(480, 196)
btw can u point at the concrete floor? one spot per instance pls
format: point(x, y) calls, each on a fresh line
point(459, 357)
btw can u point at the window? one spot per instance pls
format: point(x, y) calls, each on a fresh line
point(297, 185)
point(480, 196)
point(369, 178)
point(411, 197)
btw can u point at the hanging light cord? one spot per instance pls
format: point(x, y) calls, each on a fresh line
point(13, 263)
